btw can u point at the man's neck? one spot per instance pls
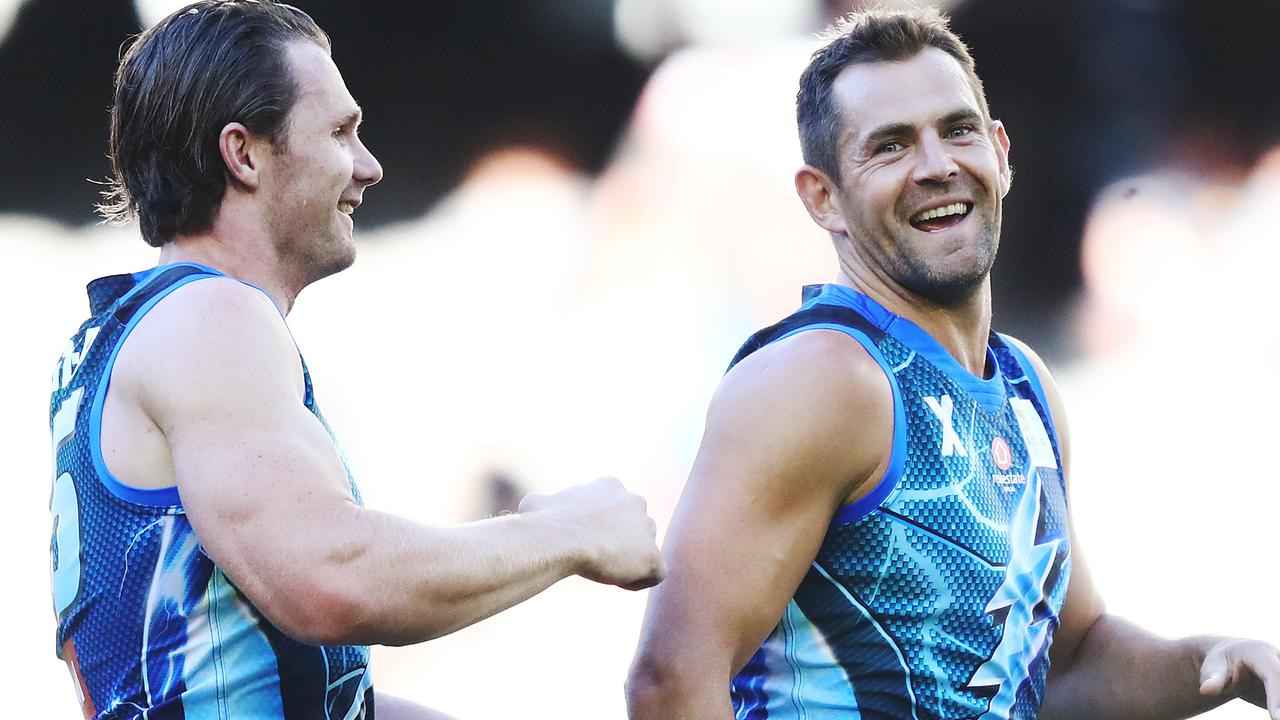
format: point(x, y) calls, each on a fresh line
point(256, 264)
point(961, 328)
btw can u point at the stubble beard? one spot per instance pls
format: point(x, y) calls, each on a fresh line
point(309, 260)
point(951, 282)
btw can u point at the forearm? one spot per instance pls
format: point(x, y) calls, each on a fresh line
point(1123, 672)
point(412, 582)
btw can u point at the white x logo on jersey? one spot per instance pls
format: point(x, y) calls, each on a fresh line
point(943, 409)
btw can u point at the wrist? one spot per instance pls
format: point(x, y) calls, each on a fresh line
point(569, 548)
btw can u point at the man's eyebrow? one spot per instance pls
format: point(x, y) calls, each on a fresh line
point(889, 130)
point(958, 116)
point(352, 118)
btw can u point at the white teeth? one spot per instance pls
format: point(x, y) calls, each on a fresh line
point(345, 207)
point(952, 209)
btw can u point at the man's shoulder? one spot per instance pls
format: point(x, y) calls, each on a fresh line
point(207, 336)
point(220, 297)
point(810, 413)
point(818, 356)
point(214, 317)
point(816, 378)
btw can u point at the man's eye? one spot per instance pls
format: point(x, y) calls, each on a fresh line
point(960, 131)
point(890, 147)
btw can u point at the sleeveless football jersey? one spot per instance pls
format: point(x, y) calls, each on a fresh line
point(936, 596)
point(149, 626)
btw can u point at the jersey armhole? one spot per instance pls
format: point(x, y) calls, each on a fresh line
point(148, 497)
point(865, 505)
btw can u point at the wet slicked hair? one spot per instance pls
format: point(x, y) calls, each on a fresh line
point(876, 35)
point(209, 64)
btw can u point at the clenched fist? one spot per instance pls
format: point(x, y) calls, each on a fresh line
point(614, 535)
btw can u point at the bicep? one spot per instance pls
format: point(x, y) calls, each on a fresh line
point(735, 558)
point(256, 484)
point(256, 471)
point(785, 444)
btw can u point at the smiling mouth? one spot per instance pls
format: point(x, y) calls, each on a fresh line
point(941, 218)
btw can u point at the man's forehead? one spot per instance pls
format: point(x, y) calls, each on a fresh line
point(916, 91)
point(318, 79)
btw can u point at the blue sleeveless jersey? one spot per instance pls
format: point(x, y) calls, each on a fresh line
point(149, 626)
point(937, 595)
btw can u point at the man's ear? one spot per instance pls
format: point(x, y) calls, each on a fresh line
point(1002, 145)
point(818, 193)
point(241, 154)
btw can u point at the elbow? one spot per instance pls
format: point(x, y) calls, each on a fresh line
point(332, 610)
point(651, 686)
point(321, 611)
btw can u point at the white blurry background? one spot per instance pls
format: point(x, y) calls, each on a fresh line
point(554, 328)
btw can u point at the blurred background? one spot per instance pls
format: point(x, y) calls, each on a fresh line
point(588, 206)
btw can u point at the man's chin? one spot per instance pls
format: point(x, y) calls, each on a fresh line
point(950, 289)
point(342, 257)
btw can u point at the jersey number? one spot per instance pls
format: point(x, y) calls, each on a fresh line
point(65, 551)
point(64, 548)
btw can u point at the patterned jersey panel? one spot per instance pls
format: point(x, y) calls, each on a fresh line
point(147, 623)
point(941, 602)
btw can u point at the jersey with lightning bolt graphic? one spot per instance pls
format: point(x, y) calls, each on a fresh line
point(936, 596)
point(1021, 600)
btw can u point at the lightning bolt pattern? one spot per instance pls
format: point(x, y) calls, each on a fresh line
point(158, 630)
point(941, 602)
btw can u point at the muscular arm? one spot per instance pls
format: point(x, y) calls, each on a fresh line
point(1104, 667)
point(267, 494)
point(793, 432)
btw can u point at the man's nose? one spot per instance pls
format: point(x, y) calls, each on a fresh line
point(367, 171)
point(933, 161)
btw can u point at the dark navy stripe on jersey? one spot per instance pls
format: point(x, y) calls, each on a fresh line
point(162, 283)
point(862, 647)
point(812, 314)
point(749, 700)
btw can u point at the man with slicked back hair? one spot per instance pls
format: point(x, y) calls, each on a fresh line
point(211, 554)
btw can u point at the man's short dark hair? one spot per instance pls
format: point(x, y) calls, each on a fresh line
point(867, 37)
point(209, 64)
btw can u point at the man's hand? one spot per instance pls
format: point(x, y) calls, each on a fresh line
point(618, 538)
point(1248, 669)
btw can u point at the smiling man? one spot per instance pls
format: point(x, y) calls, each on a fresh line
point(211, 555)
point(876, 525)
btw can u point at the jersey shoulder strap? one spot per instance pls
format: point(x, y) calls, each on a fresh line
point(809, 315)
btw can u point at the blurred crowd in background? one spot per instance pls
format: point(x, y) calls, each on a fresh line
point(588, 206)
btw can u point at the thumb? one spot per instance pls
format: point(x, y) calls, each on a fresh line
point(1214, 673)
point(531, 502)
